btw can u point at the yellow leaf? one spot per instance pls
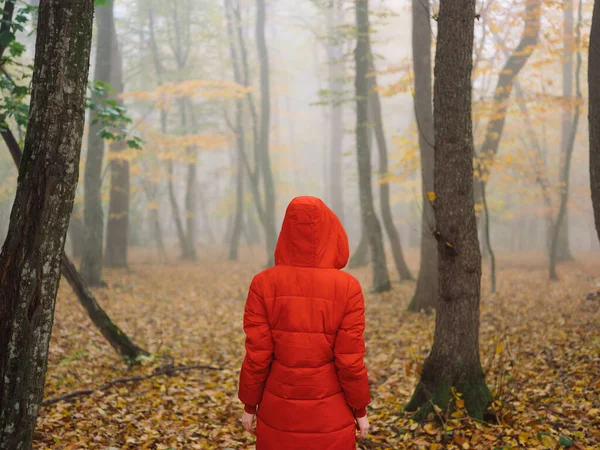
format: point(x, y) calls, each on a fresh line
point(499, 348)
point(430, 428)
point(431, 196)
point(460, 403)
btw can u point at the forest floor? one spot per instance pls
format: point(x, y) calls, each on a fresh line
point(540, 348)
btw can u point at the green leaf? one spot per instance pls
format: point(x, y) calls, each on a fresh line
point(566, 441)
point(6, 37)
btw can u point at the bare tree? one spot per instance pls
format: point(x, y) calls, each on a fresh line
point(594, 113)
point(31, 255)
point(381, 281)
point(566, 166)
point(335, 56)
point(384, 192)
point(117, 228)
point(563, 251)
point(426, 293)
point(454, 359)
point(263, 136)
point(93, 216)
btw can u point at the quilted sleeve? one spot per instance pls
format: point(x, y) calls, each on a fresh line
point(259, 350)
point(349, 350)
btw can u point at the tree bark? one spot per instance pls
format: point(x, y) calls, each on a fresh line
point(454, 359)
point(563, 251)
point(426, 292)
point(117, 229)
point(566, 169)
point(93, 216)
point(31, 255)
point(594, 114)
point(335, 55)
point(381, 281)
point(384, 186)
point(265, 115)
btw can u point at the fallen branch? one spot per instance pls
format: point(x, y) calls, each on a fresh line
point(166, 370)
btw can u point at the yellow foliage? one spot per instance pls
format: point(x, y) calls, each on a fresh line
point(163, 94)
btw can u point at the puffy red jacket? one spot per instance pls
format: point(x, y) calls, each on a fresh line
point(304, 323)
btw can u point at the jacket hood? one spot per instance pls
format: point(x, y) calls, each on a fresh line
point(311, 236)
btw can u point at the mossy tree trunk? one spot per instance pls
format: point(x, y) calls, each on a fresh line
point(372, 228)
point(30, 259)
point(454, 359)
point(426, 292)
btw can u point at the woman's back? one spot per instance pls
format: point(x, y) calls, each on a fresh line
point(304, 322)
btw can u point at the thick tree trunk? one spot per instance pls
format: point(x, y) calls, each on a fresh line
point(426, 292)
point(563, 250)
point(384, 186)
point(566, 169)
point(31, 255)
point(454, 359)
point(265, 115)
point(117, 229)
point(381, 281)
point(93, 216)
point(335, 54)
point(594, 114)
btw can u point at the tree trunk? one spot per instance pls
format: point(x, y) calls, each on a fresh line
point(384, 187)
point(454, 359)
point(265, 114)
point(566, 169)
point(117, 229)
point(93, 216)
point(381, 281)
point(31, 255)
point(360, 257)
point(76, 232)
point(426, 292)
point(118, 340)
point(563, 250)
point(157, 232)
point(335, 54)
point(190, 193)
point(238, 222)
point(594, 114)
point(175, 209)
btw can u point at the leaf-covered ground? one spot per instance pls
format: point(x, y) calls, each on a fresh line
point(540, 346)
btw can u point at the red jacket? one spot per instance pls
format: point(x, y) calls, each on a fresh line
point(304, 323)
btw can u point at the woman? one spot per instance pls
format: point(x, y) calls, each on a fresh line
point(304, 323)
